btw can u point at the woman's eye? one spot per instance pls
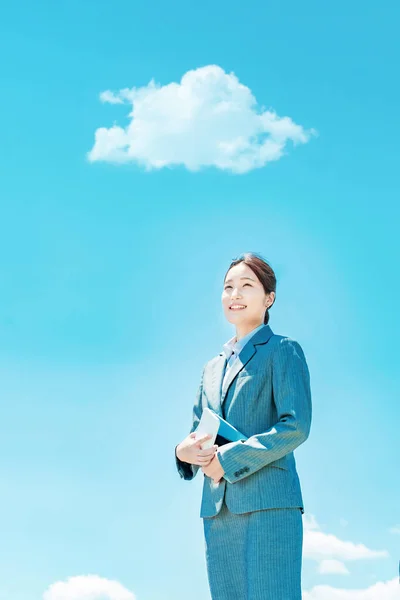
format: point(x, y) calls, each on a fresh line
point(228, 286)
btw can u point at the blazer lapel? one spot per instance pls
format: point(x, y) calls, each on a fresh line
point(214, 395)
point(248, 351)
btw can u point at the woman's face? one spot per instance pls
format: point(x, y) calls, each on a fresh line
point(242, 287)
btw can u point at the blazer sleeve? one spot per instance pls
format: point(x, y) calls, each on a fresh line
point(292, 397)
point(187, 470)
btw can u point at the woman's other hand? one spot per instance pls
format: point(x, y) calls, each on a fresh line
point(189, 450)
point(214, 470)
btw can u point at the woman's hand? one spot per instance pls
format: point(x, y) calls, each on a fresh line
point(214, 469)
point(189, 450)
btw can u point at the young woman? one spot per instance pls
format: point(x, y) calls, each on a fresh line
point(252, 503)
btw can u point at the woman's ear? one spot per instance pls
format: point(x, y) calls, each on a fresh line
point(271, 300)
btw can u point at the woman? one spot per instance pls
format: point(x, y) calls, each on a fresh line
point(252, 502)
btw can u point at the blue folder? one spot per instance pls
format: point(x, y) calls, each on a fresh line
point(227, 432)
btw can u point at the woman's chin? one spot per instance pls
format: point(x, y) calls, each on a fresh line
point(235, 317)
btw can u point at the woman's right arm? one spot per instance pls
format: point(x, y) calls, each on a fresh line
point(185, 469)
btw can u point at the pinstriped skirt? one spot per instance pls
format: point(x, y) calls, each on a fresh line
point(255, 555)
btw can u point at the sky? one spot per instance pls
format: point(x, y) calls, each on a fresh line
point(144, 146)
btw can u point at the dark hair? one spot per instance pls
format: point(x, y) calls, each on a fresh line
point(263, 271)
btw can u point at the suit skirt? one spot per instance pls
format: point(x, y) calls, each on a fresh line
point(255, 555)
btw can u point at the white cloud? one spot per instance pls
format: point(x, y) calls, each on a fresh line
point(395, 530)
point(310, 523)
point(88, 587)
point(110, 98)
point(319, 545)
point(388, 590)
point(208, 119)
point(329, 566)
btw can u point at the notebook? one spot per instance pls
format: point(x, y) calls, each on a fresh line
point(221, 431)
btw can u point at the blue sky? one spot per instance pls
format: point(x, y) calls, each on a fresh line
point(111, 270)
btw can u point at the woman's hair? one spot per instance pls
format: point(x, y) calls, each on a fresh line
point(263, 271)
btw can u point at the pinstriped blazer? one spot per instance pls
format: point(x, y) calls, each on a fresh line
point(268, 398)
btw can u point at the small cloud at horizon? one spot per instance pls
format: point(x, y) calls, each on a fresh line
point(88, 587)
point(330, 552)
point(395, 530)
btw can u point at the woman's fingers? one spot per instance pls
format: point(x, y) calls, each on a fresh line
point(201, 441)
point(208, 451)
point(203, 438)
point(203, 460)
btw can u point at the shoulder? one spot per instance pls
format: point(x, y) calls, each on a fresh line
point(208, 366)
point(284, 345)
point(288, 355)
point(215, 359)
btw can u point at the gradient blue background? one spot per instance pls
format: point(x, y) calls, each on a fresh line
point(111, 281)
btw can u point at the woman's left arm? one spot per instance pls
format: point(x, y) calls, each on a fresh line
point(292, 397)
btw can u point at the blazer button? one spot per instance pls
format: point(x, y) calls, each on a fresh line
point(236, 474)
point(246, 468)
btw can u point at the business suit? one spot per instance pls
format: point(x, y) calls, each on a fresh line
point(266, 395)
